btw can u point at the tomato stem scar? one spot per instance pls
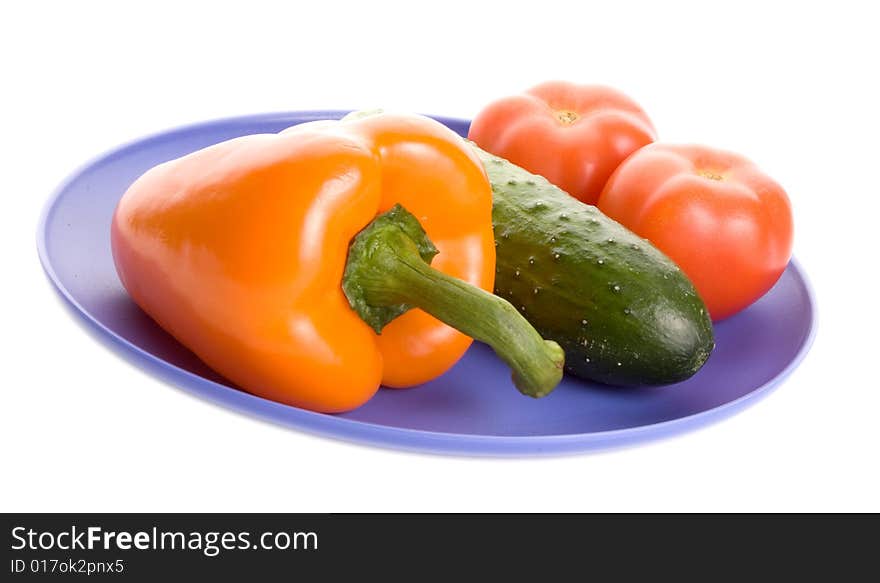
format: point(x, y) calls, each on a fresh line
point(710, 175)
point(566, 117)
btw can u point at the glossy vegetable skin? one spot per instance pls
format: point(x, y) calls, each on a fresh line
point(723, 221)
point(239, 251)
point(622, 311)
point(573, 135)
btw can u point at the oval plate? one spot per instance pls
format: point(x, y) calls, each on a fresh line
point(472, 409)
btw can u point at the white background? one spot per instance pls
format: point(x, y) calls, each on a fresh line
point(791, 85)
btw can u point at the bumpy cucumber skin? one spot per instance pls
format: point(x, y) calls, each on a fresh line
point(623, 312)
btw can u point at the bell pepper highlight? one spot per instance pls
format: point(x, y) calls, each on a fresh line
point(276, 259)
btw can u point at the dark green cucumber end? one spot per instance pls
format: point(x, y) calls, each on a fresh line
point(623, 312)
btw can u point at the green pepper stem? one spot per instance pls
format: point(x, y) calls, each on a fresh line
point(388, 272)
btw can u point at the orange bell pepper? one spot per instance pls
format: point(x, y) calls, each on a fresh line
point(261, 255)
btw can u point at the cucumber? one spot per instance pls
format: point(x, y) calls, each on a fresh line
point(622, 311)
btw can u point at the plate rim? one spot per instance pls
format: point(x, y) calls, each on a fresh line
point(364, 432)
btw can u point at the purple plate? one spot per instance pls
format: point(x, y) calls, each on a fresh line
point(472, 409)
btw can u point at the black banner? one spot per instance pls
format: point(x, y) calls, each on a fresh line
point(289, 546)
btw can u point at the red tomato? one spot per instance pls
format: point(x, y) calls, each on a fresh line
point(725, 223)
point(573, 135)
